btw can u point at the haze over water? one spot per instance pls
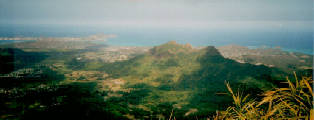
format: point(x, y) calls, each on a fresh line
point(297, 41)
point(284, 23)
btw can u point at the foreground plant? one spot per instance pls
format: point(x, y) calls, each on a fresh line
point(294, 102)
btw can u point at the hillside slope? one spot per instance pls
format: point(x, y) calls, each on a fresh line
point(184, 78)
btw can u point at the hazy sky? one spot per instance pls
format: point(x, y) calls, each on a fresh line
point(156, 13)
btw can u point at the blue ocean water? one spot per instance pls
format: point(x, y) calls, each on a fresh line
point(289, 40)
point(10, 41)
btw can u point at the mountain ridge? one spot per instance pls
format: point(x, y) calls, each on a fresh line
point(197, 74)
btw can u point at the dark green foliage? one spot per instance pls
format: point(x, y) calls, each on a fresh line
point(121, 68)
point(215, 70)
point(75, 64)
point(12, 59)
point(172, 75)
point(164, 108)
point(166, 82)
point(135, 96)
point(205, 81)
point(47, 76)
point(171, 62)
point(74, 101)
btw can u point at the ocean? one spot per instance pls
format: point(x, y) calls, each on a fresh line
point(288, 40)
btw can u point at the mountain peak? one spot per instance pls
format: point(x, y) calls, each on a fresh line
point(170, 48)
point(212, 51)
point(172, 42)
point(175, 44)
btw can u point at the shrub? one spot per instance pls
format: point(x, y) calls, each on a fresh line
point(292, 102)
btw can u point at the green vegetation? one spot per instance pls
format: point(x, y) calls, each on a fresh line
point(292, 102)
point(14, 59)
point(189, 78)
point(170, 80)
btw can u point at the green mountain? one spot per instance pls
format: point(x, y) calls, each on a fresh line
point(185, 68)
point(170, 77)
point(185, 78)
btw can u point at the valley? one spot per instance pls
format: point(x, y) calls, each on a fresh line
point(120, 82)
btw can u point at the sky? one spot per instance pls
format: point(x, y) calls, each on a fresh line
point(231, 14)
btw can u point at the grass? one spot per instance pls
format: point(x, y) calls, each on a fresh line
point(292, 102)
